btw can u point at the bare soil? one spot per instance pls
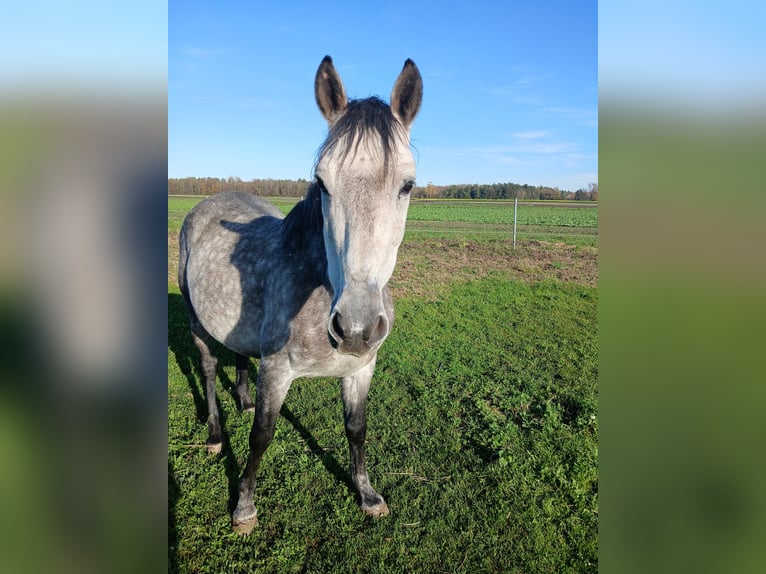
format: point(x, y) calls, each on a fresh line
point(426, 266)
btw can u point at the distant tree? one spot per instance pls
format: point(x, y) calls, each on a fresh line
point(589, 194)
point(549, 193)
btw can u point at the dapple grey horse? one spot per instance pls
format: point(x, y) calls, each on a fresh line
point(307, 293)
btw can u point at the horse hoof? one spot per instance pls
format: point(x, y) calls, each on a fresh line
point(377, 510)
point(248, 408)
point(214, 448)
point(244, 526)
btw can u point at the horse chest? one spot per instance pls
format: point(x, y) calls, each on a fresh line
point(309, 349)
point(309, 363)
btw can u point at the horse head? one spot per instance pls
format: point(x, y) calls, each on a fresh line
point(365, 171)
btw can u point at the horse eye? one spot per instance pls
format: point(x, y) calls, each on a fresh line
point(322, 188)
point(407, 187)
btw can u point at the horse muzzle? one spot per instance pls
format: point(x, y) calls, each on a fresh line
point(358, 323)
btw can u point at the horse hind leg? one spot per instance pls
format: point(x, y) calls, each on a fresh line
point(246, 403)
point(208, 365)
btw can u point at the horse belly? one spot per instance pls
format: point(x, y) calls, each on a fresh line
point(232, 241)
point(216, 293)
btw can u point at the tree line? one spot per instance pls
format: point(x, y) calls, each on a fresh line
point(261, 187)
point(506, 191)
point(297, 188)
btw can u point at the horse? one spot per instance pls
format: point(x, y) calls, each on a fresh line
point(307, 293)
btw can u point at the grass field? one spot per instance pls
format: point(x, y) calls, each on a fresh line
point(570, 222)
point(483, 424)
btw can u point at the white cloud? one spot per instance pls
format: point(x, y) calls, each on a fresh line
point(511, 160)
point(532, 79)
point(515, 95)
point(547, 148)
point(584, 116)
point(532, 135)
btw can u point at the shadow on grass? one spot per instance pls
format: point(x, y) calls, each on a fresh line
point(187, 357)
point(341, 474)
point(173, 495)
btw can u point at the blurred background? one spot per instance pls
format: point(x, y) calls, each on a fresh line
point(83, 148)
point(682, 270)
point(83, 171)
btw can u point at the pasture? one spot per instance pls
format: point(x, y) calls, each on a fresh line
point(483, 418)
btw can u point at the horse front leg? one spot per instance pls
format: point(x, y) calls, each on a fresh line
point(354, 390)
point(271, 389)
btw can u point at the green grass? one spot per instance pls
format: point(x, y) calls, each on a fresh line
point(179, 206)
point(482, 437)
point(471, 231)
point(502, 212)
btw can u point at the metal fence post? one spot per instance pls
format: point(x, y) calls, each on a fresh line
point(515, 207)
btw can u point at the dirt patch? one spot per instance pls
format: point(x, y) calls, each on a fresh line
point(425, 266)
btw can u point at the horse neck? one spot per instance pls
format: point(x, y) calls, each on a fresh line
point(302, 234)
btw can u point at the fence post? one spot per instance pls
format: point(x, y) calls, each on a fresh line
point(515, 207)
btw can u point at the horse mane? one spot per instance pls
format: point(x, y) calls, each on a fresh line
point(362, 117)
point(304, 219)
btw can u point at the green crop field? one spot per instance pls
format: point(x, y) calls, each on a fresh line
point(483, 422)
point(502, 212)
point(562, 222)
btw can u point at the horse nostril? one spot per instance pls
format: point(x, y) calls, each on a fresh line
point(357, 338)
point(379, 331)
point(336, 326)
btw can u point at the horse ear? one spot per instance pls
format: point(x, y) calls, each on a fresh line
point(407, 94)
point(329, 91)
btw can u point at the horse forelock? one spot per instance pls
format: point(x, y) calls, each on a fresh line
point(367, 123)
point(370, 123)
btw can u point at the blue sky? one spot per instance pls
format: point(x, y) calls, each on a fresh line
point(83, 47)
point(510, 88)
point(684, 56)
